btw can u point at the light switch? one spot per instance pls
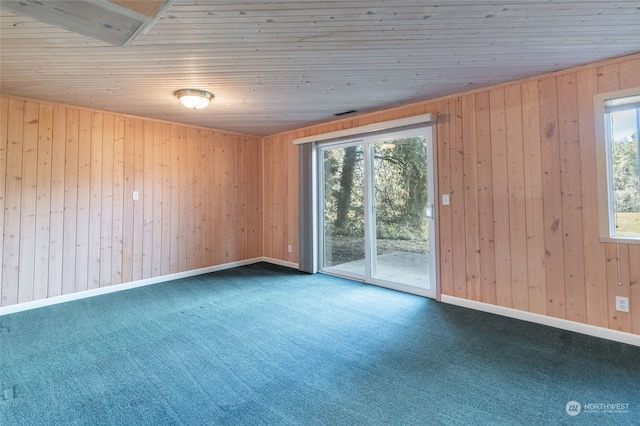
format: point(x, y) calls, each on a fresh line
point(445, 199)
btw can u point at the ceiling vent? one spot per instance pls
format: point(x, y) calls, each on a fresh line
point(116, 22)
point(340, 114)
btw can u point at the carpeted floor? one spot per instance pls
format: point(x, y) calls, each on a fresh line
point(264, 345)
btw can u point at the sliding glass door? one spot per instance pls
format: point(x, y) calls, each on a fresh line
point(376, 207)
point(344, 227)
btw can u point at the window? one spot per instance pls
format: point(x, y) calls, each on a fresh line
point(619, 168)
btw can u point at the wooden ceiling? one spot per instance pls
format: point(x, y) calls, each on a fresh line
point(279, 65)
point(116, 22)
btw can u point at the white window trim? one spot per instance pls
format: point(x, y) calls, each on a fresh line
point(603, 165)
point(384, 126)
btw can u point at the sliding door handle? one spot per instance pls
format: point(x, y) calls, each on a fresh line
point(429, 211)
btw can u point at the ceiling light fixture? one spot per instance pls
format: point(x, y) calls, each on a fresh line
point(194, 98)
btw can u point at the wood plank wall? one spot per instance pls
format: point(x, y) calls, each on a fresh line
point(280, 200)
point(69, 222)
point(519, 162)
point(517, 159)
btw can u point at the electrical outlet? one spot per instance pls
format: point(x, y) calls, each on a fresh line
point(289, 248)
point(622, 304)
point(136, 195)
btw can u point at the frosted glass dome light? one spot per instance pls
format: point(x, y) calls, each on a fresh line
point(194, 98)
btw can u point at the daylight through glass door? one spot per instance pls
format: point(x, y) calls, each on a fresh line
point(377, 212)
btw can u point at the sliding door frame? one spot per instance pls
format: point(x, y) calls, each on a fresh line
point(367, 142)
point(308, 247)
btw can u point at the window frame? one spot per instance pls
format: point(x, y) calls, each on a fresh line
point(604, 165)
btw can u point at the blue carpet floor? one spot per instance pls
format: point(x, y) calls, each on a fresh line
point(264, 345)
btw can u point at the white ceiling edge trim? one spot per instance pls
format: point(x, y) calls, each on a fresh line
point(369, 128)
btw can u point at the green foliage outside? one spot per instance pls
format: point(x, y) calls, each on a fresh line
point(344, 192)
point(400, 190)
point(626, 186)
point(626, 180)
point(628, 224)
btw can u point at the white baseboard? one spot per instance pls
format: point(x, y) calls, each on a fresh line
point(591, 330)
point(284, 263)
point(11, 309)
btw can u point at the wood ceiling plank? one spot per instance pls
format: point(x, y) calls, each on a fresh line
point(114, 22)
point(87, 18)
point(289, 63)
